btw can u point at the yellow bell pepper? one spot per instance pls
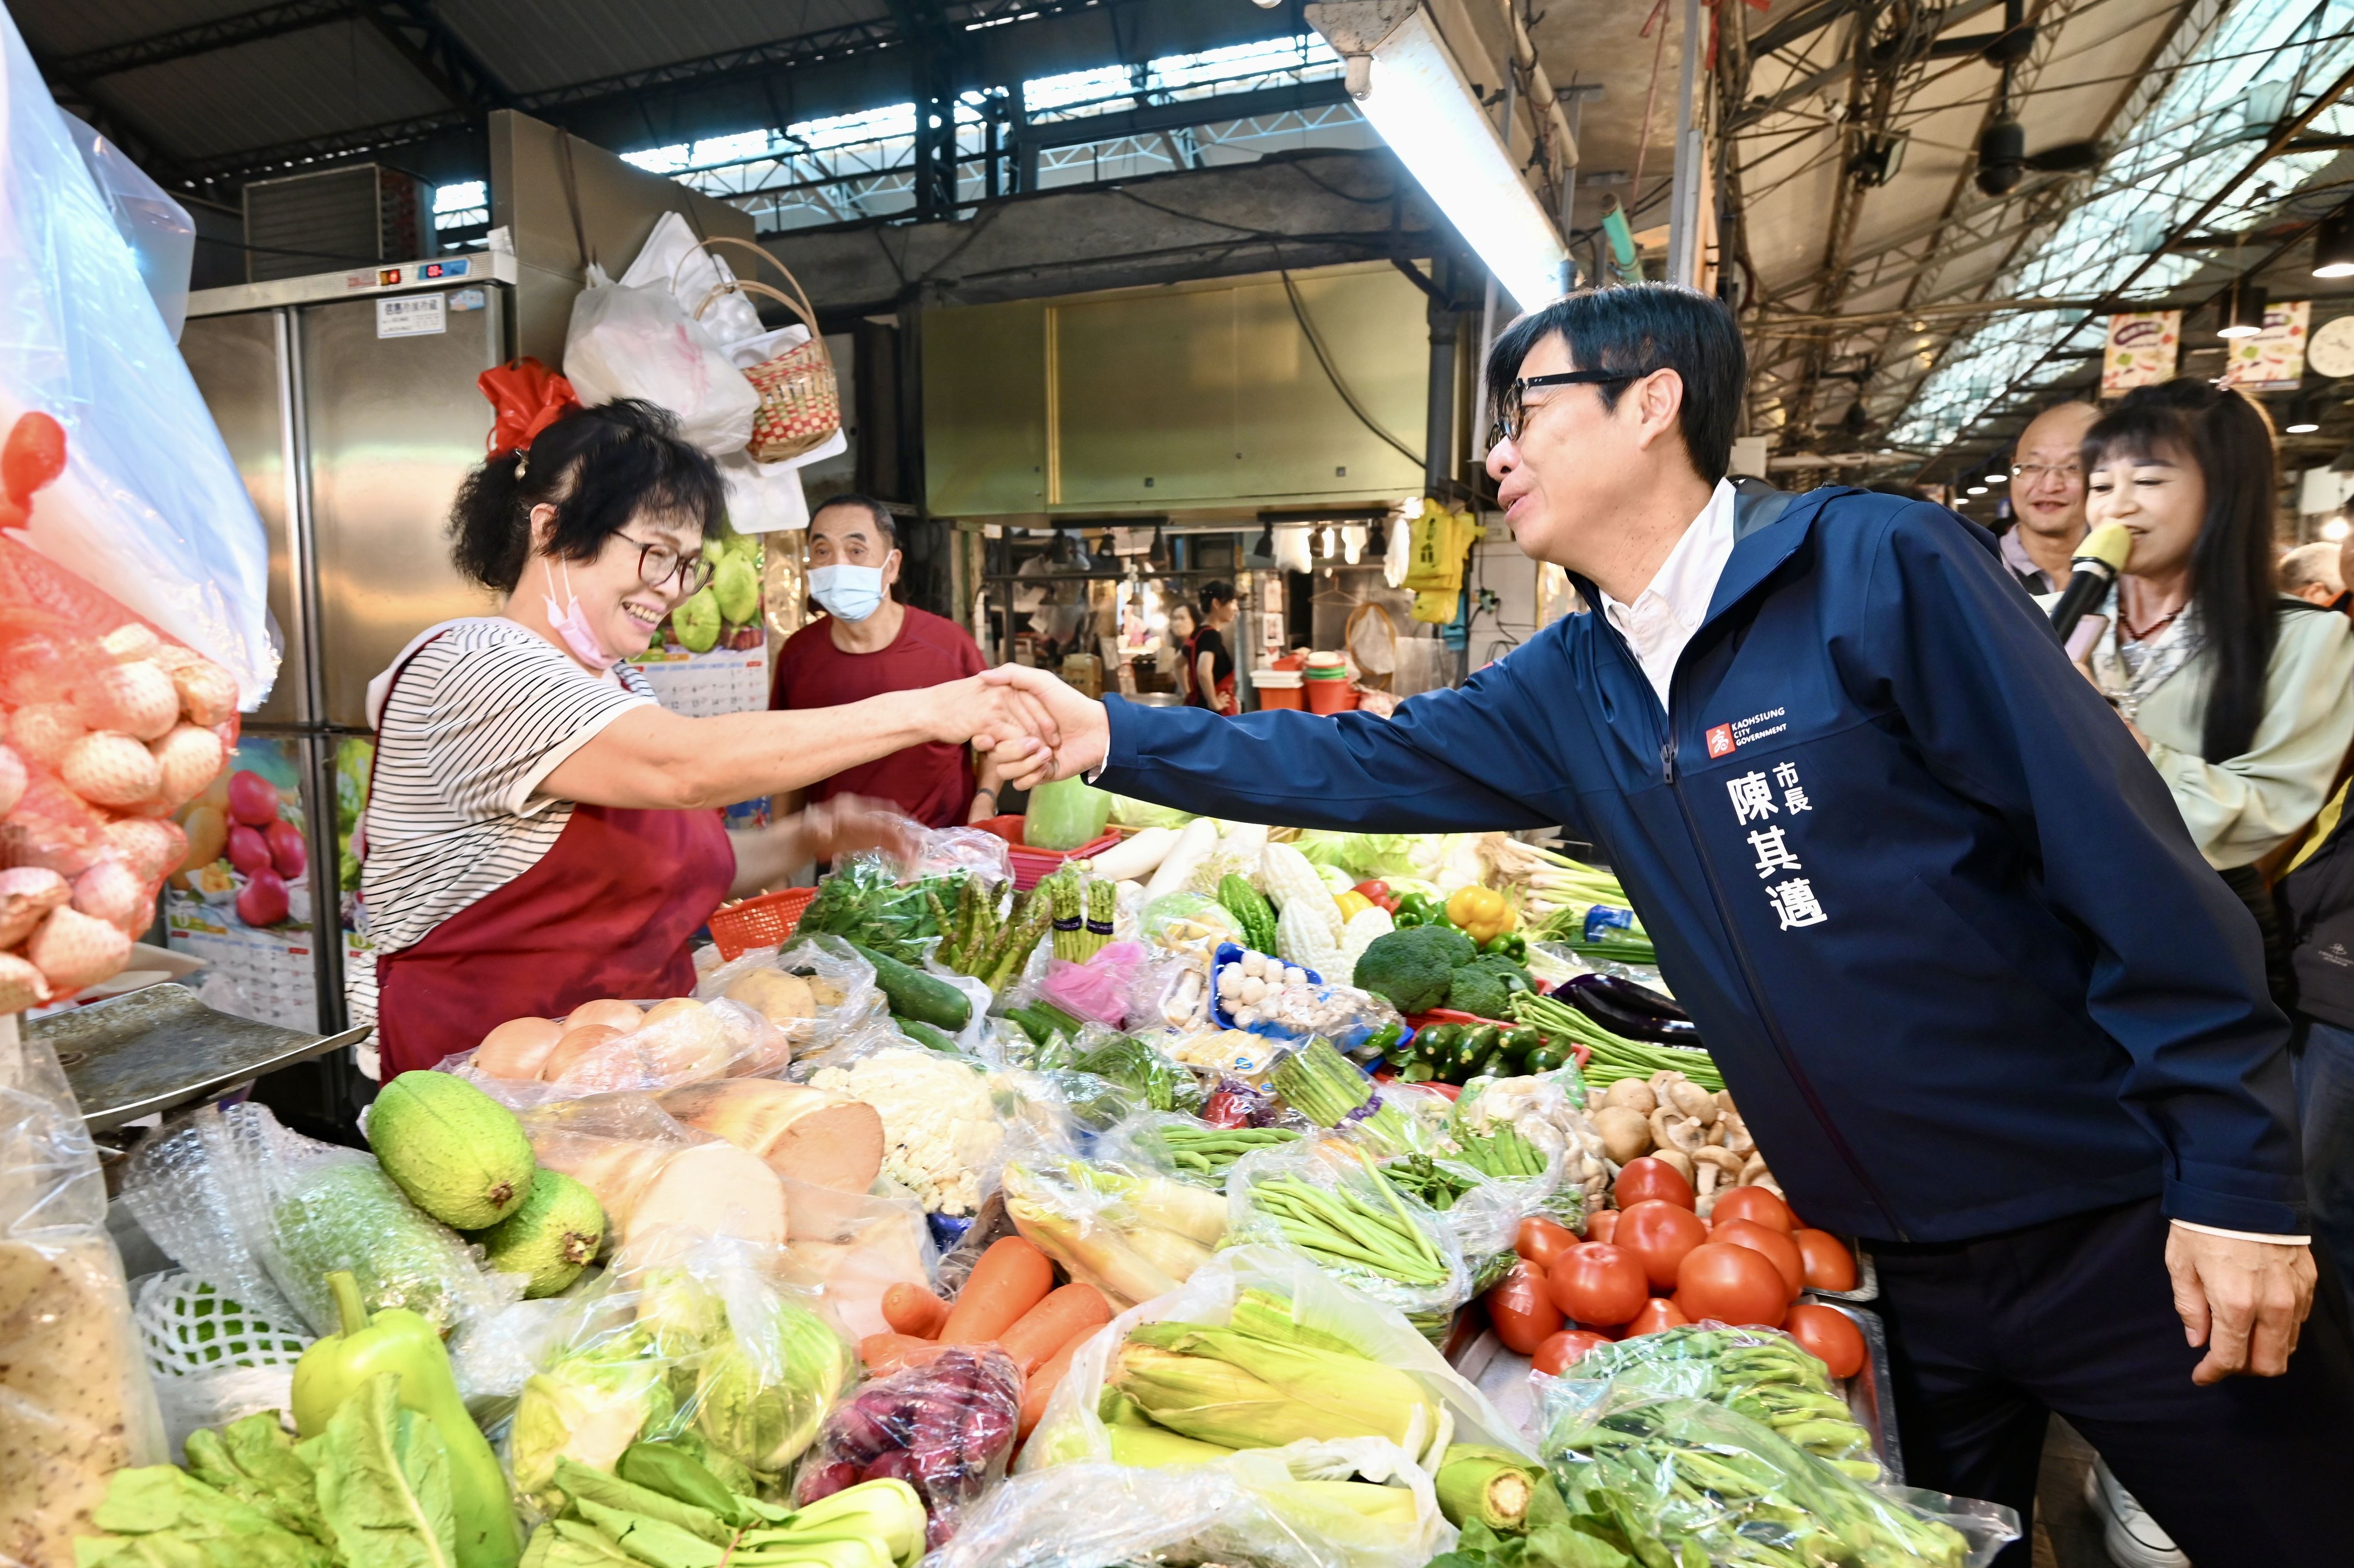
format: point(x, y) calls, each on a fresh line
point(1481, 913)
point(1351, 903)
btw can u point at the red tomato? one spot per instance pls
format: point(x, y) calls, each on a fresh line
point(1732, 1285)
point(1644, 1180)
point(1523, 1314)
point(1660, 1234)
point(1830, 1336)
point(1598, 1285)
point(1757, 1204)
point(1779, 1250)
point(34, 454)
point(1602, 1225)
point(1563, 1351)
point(1829, 1265)
point(1658, 1313)
point(1542, 1241)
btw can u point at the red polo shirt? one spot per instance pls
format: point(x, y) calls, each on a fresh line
point(931, 783)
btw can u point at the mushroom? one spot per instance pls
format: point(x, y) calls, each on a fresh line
point(1670, 1130)
point(1753, 1170)
point(1692, 1100)
point(1714, 1168)
point(1735, 1134)
point(1626, 1134)
point(1677, 1160)
point(1631, 1093)
point(1724, 1103)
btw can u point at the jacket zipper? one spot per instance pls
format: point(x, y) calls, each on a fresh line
point(1831, 1134)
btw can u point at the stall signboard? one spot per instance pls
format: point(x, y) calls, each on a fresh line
point(2274, 359)
point(242, 899)
point(2141, 349)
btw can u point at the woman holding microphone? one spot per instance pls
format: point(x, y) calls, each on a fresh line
point(540, 833)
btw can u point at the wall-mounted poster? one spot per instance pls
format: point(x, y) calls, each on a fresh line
point(2141, 349)
point(2274, 359)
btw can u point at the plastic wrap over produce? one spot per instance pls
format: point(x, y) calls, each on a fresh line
point(146, 503)
point(75, 1401)
point(605, 1047)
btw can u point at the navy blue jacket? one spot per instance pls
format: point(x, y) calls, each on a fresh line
point(1934, 912)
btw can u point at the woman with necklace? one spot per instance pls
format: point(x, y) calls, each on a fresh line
point(2243, 697)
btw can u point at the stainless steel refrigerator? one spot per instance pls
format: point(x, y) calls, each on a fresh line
point(349, 403)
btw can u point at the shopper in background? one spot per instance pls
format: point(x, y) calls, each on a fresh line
point(1176, 657)
point(1209, 663)
point(1960, 964)
point(2242, 699)
point(541, 832)
point(2047, 497)
point(2311, 572)
point(868, 643)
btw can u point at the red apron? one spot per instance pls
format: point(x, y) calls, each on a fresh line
point(608, 911)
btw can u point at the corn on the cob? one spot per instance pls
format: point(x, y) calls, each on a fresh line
point(1235, 1389)
point(1490, 1485)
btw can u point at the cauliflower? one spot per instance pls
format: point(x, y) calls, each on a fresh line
point(941, 1131)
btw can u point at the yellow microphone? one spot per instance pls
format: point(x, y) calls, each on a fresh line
point(2096, 563)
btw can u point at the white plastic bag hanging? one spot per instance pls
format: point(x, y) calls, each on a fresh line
point(673, 258)
point(149, 507)
point(630, 342)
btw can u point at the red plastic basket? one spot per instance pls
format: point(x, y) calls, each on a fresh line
point(1032, 866)
point(766, 921)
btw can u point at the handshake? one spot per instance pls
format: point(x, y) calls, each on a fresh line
point(1037, 727)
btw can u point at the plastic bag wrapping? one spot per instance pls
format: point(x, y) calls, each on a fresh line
point(1546, 1108)
point(1064, 814)
point(1190, 924)
point(211, 1360)
point(682, 1041)
point(76, 1403)
point(1170, 991)
point(1133, 1234)
point(1073, 1431)
point(1682, 1479)
point(814, 991)
point(1323, 1200)
point(945, 1427)
point(1098, 989)
point(162, 236)
point(1284, 1002)
point(655, 1177)
point(855, 1247)
point(944, 851)
point(674, 257)
point(626, 342)
point(263, 1216)
point(711, 1341)
point(944, 1134)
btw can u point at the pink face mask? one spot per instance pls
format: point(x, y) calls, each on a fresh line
point(573, 626)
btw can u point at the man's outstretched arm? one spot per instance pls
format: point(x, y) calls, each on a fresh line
point(1352, 772)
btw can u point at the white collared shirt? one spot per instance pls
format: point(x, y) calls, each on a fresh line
point(1664, 616)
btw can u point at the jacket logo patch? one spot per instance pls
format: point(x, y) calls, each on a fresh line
point(1720, 741)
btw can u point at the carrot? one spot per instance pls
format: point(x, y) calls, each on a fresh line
point(1063, 1315)
point(1040, 1384)
point(1011, 1277)
point(912, 1309)
point(885, 1353)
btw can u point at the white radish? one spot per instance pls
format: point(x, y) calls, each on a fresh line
point(1194, 842)
point(1137, 855)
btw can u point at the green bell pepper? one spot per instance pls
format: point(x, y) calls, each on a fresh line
point(402, 1342)
point(1511, 944)
point(1418, 909)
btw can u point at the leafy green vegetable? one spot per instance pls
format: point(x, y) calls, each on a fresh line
point(587, 1406)
point(255, 1461)
point(761, 1392)
point(161, 1517)
point(384, 1482)
point(865, 901)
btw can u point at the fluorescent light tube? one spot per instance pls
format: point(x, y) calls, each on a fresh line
point(1423, 108)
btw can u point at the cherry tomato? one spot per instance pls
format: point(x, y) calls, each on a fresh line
point(1562, 1351)
point(1658, 1313)
point(1602, 1224)
point(1779, 1250)
point(1598, 1285)
point(1660, 1234)
point(1542, 1241)
point(34, 454)
point(1830, 1264)
point(1757, 1204)
point(1647, 1179)
point(1524, 1314)
point(1732, 1285)
point(1830, 1336)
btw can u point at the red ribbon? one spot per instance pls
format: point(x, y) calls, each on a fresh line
point(529, 398)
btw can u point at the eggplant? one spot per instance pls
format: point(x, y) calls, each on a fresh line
point(1631, 996)
point(1601, 998)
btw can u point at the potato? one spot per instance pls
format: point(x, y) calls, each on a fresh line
point(1626, 1134)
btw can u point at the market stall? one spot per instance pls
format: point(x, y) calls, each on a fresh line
point(1161, 1189)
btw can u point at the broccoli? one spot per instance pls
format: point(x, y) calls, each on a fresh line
point(1413, 968)
point(1479, 991)
point(1514, 976)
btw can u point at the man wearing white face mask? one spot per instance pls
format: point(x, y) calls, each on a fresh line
point(868, 642)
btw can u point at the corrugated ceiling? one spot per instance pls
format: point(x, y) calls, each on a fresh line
point(275, 90)
point(536, 44)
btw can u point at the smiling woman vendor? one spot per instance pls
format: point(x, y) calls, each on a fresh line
point(540, 831)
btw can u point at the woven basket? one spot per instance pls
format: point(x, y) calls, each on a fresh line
point(801, 401)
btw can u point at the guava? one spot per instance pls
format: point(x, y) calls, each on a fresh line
point(736, 587)
point(697, 622)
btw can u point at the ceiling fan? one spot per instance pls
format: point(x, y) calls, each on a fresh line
point(2003, 159)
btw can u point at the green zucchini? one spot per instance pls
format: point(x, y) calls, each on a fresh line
point(912, 993)
point(924, 1034)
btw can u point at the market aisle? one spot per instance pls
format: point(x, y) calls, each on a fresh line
point(2067, 1532)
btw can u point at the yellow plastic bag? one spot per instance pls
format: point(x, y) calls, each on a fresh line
point(1441, 540)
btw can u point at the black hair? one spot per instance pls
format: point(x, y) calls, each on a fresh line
point(2232, 572)
point(876, 509)
point(598, 468)
point(1639, 328)
point(1217, 590)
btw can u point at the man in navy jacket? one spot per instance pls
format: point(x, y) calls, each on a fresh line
point(1979, 999)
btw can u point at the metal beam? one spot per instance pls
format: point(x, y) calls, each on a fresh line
point(1153, 119)
point(1799, 24)
point(202, 38)
point(415, 28)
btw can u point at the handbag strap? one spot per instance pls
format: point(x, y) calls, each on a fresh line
point(800, 307)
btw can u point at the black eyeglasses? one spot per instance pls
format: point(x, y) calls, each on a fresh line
point(1512, 412)
point(659, 564)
